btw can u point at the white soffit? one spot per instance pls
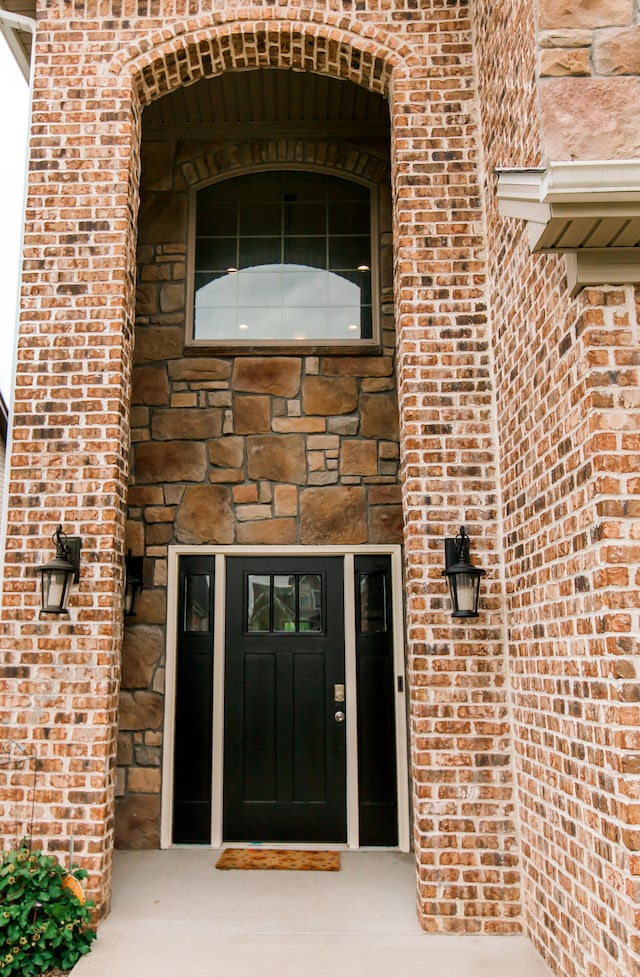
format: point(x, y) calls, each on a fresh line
point(589, 211)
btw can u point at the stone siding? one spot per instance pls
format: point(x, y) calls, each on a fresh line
point(238, 449)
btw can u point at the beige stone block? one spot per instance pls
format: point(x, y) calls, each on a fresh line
point(323, 442)
point(205, 515)
point(200, 368)
point(386, 524)
point(146, 299)
point(158, 534)
point(385, 495)
point(285, 500)
point(249, 513)
point(265, 492)
point(141, 710)
point(176, 424)
point(618, 52)
point(156, 343)
point(226, 452)
point(379, 417)
point(274, 531)
point(162, 218)
point(566, 38)
point(171, 297)
point(150, 385)
point(151, 607)
point(229, 475)
point(278, 376)
point(184, 400)
point(173, 461)
point(301, 425)
point(325, 478)
point(143, 780)
point(564, 61)
point(277, 459)
point(315, 461)
point(124, 755)
point(389, 449)
point(329, 395)
point(293, 408)
point(134, 537)
point(245, 493)
point(139, 417)
point(343, 426)
point(357, 366)
point(576, 14)
point(137, 822)
point(376, 384)
point(142, 649)
point(158, 513)
point(582, 118)
point(173, 494)
point(252, 415)
point(333, 514)
point(141, 495)
point(359, 458)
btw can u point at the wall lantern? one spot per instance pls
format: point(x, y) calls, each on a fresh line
point(132, 583)
point(59, 572)
point(463, 578)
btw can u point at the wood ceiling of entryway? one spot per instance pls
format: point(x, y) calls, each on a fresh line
point(265, 102)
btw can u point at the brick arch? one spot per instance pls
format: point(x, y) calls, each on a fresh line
point(334, 155)
point(256, 38)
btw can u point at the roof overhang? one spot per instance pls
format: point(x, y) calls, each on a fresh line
point(588, 211)
point(17, 25)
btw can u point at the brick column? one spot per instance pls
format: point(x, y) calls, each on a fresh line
point(59, 675)
point(464, 832)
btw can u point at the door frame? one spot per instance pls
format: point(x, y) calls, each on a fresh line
point(220, 553)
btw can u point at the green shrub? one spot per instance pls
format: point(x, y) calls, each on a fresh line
point(43, 925)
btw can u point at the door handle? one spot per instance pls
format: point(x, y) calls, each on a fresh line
point(339, 717)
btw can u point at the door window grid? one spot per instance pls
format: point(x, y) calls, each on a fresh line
point(282, 604)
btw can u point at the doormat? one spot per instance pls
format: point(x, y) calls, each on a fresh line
point(277, 859)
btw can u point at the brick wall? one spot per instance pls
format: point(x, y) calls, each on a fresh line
point(489, 355)
point(567, 416)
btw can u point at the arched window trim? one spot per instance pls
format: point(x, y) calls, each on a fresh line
point(247, 347)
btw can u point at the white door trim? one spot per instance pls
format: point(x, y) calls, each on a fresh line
point(348, 552)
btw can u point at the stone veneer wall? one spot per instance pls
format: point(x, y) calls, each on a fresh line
point(248, 449)
point(568, 417)
point(588, 66)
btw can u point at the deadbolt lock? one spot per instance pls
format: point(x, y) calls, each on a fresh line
point(338, 693)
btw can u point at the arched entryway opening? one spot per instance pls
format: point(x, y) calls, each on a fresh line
point(256, 442)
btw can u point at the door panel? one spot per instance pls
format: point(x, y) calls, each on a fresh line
point(377, 784)
point(194, 702)
point(284, 766)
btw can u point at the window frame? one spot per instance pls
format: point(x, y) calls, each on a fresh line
point(248, 346)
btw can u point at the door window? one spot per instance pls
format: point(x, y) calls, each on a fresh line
point(278, 603)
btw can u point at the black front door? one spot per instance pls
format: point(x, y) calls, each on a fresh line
point(284, 730)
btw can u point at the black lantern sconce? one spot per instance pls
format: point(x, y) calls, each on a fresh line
point(132, 583)
point(463, 578)
point(59, 573)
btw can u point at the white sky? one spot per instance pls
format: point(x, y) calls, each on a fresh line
point(14, 112)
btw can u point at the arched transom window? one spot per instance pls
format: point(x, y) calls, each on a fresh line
point(282, 257)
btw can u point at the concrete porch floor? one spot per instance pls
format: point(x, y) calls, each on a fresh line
point(173, 913)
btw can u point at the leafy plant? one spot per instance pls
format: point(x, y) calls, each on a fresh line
point(43, 925)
